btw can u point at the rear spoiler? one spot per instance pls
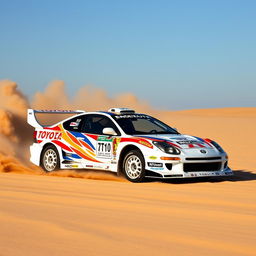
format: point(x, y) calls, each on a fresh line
point(31, 118)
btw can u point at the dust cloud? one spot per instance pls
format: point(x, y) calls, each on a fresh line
point(16, 135)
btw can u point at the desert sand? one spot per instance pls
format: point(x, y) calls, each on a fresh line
point(101, 214)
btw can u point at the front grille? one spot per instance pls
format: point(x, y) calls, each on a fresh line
point(203, 158)
point(202, 167)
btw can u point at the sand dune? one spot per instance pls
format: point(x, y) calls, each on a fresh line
point(101, 214)
point(62, 216)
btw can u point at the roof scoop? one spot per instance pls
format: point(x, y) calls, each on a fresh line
point(121, 111)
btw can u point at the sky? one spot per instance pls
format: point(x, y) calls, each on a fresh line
point(174, 54)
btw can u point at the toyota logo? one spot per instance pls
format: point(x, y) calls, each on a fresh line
point(203, 151)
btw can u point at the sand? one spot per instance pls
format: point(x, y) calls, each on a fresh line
point(100, 214)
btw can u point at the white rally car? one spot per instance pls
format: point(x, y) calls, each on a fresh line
point(123, 141)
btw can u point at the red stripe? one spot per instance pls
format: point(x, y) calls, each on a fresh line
point(74, 139)
point(208, 142)
point(128, 140)
point(155, 139)
point(86, 145)
point(175, 145)
point(62, 145)
point(56, 128)
point(140, 141)
point(191, 146)
point(95, 137)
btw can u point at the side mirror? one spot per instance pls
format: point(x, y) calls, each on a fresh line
point(109, 131)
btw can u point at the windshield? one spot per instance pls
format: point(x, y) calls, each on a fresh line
point(142, 124)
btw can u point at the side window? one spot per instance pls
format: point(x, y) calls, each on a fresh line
point(73, 124)
point(96, 123)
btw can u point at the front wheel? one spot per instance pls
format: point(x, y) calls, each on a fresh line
point(50, 160)
point(134, 166)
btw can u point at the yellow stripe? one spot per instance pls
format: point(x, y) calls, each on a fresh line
point(73, 144)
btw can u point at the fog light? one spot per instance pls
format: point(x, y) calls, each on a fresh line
point(169, 166)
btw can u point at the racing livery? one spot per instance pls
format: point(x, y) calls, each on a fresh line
point(123, 141)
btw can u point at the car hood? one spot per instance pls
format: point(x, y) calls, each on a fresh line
point(180, 140)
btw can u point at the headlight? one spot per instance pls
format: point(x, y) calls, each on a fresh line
point(216, 145)
point(166, 147)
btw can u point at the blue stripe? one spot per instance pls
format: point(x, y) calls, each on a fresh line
point(85, 139)
point(198, 138)
point(76, 156)
point(153, 138)
point(67, 158)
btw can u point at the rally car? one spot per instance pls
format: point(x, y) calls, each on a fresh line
point(123, 141)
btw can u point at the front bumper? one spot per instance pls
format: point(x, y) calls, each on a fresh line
point(225, 172)
point(222, 173)
point(190, 166)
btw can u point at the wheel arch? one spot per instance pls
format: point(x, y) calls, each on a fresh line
point(122, 154)
point(50, 144)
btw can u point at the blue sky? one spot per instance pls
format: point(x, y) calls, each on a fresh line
point(174, 54)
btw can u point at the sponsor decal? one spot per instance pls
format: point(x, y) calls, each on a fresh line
point(197, 174)
point(185, 142)
point(178, 138)
point(105, 138)
point(156, 168)
point(104, 147)
point(116, 142)
point(132, 116)
point(98, 167)
point(49, 135)
point(73, 124)
point(76, 123)
point(153, 157)
point(105, 167)
point(203, 151)
point(153, 164)
point(113, 162)
point(71, 165)
point(145, 143)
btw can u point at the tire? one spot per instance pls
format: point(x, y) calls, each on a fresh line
point(134, 166)
point(50, 160)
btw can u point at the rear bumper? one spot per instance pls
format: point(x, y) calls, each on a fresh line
point(35, 153)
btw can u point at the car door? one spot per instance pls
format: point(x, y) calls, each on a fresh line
point(72, 137)
point(103, 145)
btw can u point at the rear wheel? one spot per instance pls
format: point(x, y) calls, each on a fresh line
point(50, 160)
point(134, 166)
